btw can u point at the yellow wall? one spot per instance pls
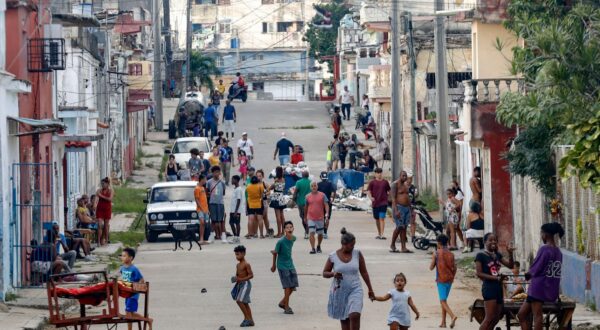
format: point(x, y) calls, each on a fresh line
point(143, 82)
point(488, 61)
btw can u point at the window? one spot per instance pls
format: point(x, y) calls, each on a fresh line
point(196, 27)
point(258, 86)
point(289, 26)
point(205, 2)
point(220, 62)
point(454, 79)
point(258, 57)
point(268, 27)
point(225, 27)
point(135, 69)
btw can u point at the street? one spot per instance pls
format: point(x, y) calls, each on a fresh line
point(177, 278)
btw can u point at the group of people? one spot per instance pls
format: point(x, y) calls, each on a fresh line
point(347, 147)
point(95, 212)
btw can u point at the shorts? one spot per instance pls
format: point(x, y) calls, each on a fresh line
point(234, 219)
point(531, 299)
point(379, 212)
point(217, 212)
point(289, 278)
point(131, 305)
point(257, 211)
point(284, 160)
point(405, 215)
point(203, 216)
point(474, 233)
point(241, 292)
point(444, 290)
point(228, 126)
point(316, 226)
point(493, 291)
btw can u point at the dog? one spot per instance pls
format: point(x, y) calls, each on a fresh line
point(181, 233)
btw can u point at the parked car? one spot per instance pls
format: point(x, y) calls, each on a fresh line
point(182, 147)
point(170, 202)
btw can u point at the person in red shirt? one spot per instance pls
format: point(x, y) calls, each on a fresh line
point(316, 208)
point(378, 191)
point(297, 155)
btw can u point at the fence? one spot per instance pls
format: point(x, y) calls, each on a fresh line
point(580, 215)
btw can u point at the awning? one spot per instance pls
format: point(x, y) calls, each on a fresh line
point(37, 126)
point(135, 106)
point(70, 20)
point(77, 137)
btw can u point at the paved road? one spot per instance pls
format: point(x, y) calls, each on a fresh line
point(177, 278)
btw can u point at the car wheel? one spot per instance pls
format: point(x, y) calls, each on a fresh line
point(151, 236)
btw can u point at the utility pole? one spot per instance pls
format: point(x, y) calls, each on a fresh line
point(188, 47)
point(158, 94)
point(413, 94)
point(307, 82)
point(237, 49)
point(441, 83)
point(168, 48)
point(397, 113)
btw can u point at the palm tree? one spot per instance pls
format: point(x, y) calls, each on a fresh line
point(202, 68)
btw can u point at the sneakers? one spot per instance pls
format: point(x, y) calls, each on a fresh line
point(89, 258)
point(325, 236)
point(224, 238)
point(288, 311)
point(247, 323)
point(305, 235)
point(313, 251)
point(319, 249)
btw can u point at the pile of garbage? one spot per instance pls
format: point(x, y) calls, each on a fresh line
point(351, 200)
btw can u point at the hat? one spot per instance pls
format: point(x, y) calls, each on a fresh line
point(245, 133)
point(323, 175)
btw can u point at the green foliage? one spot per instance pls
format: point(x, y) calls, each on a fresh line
point(430, 200)
point(323, 41)
point(559, 65)
point(129, 200)
point(202, 69)
point(163, 166)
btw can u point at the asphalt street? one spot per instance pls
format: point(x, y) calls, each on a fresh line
point(177, 278)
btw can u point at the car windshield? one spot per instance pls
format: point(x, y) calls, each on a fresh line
point(186, 146)
point(172, 194)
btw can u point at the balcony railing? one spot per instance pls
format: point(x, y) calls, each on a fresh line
point(380, 83)
point(490, 90)
point(375, 13)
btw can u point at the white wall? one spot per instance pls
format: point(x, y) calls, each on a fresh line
point(285, 90)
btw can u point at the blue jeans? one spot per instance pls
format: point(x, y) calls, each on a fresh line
point(283, 160)
point(212, 127)
point(171, 177)
point(346, 110)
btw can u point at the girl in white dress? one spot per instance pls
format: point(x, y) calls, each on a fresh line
point(399, 317)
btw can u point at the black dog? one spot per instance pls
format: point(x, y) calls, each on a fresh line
point(181, 233)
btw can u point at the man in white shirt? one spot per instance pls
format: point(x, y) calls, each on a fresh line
point(347, 100)
point(246, 144)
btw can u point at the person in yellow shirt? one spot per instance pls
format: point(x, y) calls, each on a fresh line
point(254, 205)
point(215, 157)
point(201, 205)
point(221, 88)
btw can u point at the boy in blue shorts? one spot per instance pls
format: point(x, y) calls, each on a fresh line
point(131, 274)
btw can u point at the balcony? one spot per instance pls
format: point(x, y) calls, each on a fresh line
point(380, 83)
point(74, 13)
point(376, 16)
point(490, 90)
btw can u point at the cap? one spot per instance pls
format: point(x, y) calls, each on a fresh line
point(245, 133)
point(323, 175)
point(282, 134)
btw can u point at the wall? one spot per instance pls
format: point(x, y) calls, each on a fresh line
point(529, 213)
point(284, 61)
point(488, 61)
point(575, 277)
point(144, 81)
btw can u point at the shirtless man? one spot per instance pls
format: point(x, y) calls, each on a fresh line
point(402, 210)
point(475, 184)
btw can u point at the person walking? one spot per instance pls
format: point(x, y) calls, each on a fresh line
point(316, 210)
point(283, 149)
point(247, 146)
point(327, 188)
point(346, 266)
point(451, 208)
point(254, 205)
point(282, 261)
point(216, 203)
point(347, 100)
point(195, 164)
point(302, 188)
point(277, 202)
point(336, 120)
point(171, 169)
point(104, 211)
point(210, 121)
point(399, 316)
point(442, 260)
point(401, 211)
point(227, 160)
point(229, 119)
point(378, 191)
point(264, 222)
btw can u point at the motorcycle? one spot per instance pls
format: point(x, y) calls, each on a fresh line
point(240, 93)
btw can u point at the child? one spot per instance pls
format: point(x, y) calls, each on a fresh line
point(131, 274)
point(445, 270)
point(516, 284)
point(237, 204)
point(201, 205)
point(282, 260)
point(243, 161)
point(545, 277)
point(241, 290)
point(399, 317)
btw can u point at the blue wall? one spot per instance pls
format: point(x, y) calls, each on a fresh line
point(573, 281)
point(596, 283)
point(272, 62)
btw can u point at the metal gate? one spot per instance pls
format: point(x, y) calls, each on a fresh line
point(31, 215)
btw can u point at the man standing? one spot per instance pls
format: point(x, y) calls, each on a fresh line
point(327, 188)
point(226, 158)
point(475, 184)
point(229, 118)
point(283, 148)
point(316, 209)
point(246, 144)
point(210, 121)
point(195, 164)
point(181, 124)
point(347, 100)
point(378, 191)
point(302, 188)
point(282, 261)
point(216, 205)
point(401, 210)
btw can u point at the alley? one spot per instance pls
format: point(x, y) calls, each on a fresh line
point(177, 278)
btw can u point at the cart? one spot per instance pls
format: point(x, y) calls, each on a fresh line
point(93, 294)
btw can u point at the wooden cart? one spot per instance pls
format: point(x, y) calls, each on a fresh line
point(559, 312)
point(93, 294)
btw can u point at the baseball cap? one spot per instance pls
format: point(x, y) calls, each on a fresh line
point(245, 133)
point(323, 175)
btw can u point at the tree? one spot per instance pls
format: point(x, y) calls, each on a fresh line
point(323, 40)
point(560, 65)
point(203, 68)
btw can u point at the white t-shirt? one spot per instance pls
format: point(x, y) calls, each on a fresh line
point(364, 103)
point(346, 97)
point(238, 194)
point(459, 196)
point(245, 145)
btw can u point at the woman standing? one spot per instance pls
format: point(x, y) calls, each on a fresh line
point(104, 211)
point(263, 222)
point(254, 193)
point(277, 192)
point(451, 208)
point(346, 266)
point(460, 198)
point(171, 169)
point(487, 267)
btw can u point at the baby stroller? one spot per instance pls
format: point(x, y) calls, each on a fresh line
point(432, 227)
